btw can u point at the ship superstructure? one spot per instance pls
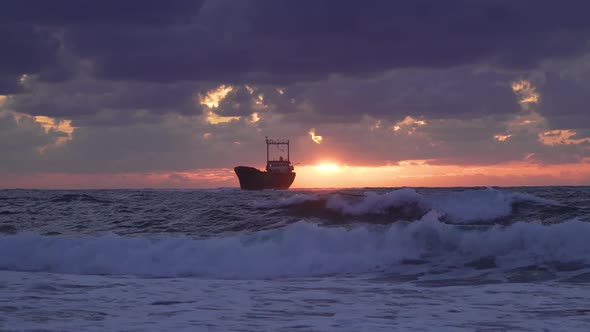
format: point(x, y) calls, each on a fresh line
point(279, 172)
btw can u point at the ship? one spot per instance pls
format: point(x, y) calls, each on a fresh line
point(279, 173)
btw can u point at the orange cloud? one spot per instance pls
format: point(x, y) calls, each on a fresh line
point(49, 123)
point(214, 119)
point(408, 123)
point(254, 117)
point(314, 137)
point(502, 138)
point(526, 92)
point(557, 137)
point(213, 97)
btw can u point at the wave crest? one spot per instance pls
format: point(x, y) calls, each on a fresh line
point(479, 205)
point(301, 249)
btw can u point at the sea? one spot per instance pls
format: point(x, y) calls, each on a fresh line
point(362, 259)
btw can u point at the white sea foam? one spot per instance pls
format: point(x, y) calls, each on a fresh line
point(459, 207)
point(374, 203)
point(480, 204)
point(300, 249)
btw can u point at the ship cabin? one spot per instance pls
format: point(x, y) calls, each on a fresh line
point(279, 166)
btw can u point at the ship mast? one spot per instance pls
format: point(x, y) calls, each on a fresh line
point(277, 142)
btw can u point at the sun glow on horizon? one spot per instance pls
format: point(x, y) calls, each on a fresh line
point(328, 168)
point(422, 174)
point(405, 173)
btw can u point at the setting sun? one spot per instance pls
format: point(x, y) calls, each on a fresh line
point(328, 168)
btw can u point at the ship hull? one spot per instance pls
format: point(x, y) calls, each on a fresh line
point(254, 179)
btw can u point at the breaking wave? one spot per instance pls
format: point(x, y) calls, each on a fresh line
point(306, 249)
point(466, 206)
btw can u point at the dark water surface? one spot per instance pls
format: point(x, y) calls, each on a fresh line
point(373, 259)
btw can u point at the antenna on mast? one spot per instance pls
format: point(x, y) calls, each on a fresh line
point(277, 143)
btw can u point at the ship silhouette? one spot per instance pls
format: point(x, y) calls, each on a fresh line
point(279, 173)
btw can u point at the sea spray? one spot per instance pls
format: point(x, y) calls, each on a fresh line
point(299, 250)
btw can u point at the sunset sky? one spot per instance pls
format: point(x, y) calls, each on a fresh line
point(174, 94)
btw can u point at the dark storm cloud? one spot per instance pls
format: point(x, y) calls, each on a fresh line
point(289, 42)
point(24, 49)
point(246, 99)
point(31, 31)
point(25, 134)
point(170, 144)
point(9, 84)
point(433, 94)
point(20, 140)
point(281, 42)
point(371, 36)
point(84, 96)
point(238, 102)
point(565, 102)
point(127, 73)
point(285, 41)
point(455, 93)
point(66, 12)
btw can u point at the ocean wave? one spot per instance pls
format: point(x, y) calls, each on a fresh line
point(476, 205)
point(287, 201)
point(76, 197)
point(481, 204)
point(303, 249)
